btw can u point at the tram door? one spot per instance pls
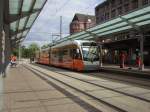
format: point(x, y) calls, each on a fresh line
point(77, 59)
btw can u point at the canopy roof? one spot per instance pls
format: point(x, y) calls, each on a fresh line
point(140, 18)
point(20, 15)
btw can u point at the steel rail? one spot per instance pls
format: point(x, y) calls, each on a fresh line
point(83, 92)
point(127, 94)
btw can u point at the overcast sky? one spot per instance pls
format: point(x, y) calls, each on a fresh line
point(48, 21)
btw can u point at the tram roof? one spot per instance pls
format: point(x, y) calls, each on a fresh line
point(69, 42)
point(20, 16)
point(140, 17)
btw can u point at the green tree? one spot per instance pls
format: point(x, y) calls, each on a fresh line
point(32, 49)
point(27, 52)
point(15, 52)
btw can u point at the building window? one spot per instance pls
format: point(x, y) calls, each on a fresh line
point(126, 7)
point(119, 10)
point(107, 6)
point(97, 18)
point(107, 16)
point(97, 9)
point(134, 4)
point(113, 13)
point(144, 2)
point(113, 3)
point(102, 18)
point(96, 13)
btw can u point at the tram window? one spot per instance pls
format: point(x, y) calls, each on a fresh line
point(71, 53)
point(76, 54)
point(54, 53)
point(65, 52)
point(89, 44)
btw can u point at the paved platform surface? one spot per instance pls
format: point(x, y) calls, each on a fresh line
point(115, 66)
point(23, 91)
point(127, 69)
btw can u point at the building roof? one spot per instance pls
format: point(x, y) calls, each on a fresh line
point(101, 4)
point(20, 16)
point(83, 17)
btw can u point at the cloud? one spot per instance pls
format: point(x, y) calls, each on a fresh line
point(49, 19)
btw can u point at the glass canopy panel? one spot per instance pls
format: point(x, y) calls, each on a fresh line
point(27, 4)
point(138, 12)
point(31, 19)
point(13, 26)
point(118, 24)
point(19, 35)
point(14, 6)
point(39, 4)
point(25, 33)
point(22, 23)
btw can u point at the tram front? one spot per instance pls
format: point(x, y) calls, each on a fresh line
point(90, 55)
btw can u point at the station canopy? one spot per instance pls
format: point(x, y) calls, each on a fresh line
point(20, 15)
point(139, 17)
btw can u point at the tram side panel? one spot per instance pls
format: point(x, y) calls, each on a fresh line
point(67, 61)
point(74, 56)
point(60, 57)
point(37, 57)
point(77, 60)
point(55, 57)
point(67, 57)
point(44, 58)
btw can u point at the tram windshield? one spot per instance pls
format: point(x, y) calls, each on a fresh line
point(90, 52)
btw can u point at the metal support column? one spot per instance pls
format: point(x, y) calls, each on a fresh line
point(60, 27)
point(1, 33)
point(1, 51)
point(100, 56)
point(3, 54)
point(6, 49)
point(142, 50)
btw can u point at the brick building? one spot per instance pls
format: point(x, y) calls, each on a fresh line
point(81, 22)
point(128, 40)
point(113, 8)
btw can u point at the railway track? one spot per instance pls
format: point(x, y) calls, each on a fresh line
point(94, 91)
point(139, 82)
point(108, 88)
